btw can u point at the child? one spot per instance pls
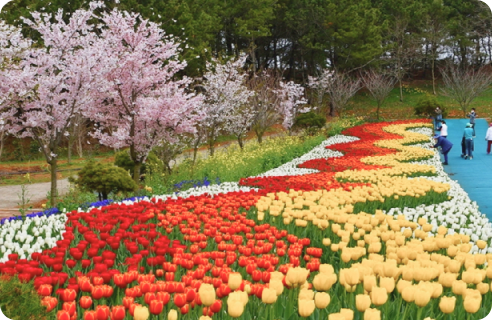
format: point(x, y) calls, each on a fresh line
point(443, 129)
point(488, 138)
point(445, 145)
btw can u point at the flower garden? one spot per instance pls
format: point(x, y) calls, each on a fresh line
point(365, 226)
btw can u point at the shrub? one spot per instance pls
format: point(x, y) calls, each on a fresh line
point(20, 301)
point(310, 122)
point(123, 160)
point(427, 105)
point(104, 179)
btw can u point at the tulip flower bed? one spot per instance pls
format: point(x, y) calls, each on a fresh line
point(365, 226)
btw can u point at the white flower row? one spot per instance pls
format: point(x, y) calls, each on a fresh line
point(320, 152)
point(25, 237)
point(459, 214)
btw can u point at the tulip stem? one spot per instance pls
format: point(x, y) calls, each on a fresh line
point(419, 313)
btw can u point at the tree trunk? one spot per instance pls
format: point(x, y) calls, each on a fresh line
point(2, 140)
point(54, 192)
point(69, 150)
point(401, 90)
point(80, 151)
point(211, 148)
point(240, 141)
point(136, 172)
point(433, 76)
point(259, 135)
point(332, 109)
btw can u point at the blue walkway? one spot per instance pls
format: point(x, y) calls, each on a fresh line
point(474, 176)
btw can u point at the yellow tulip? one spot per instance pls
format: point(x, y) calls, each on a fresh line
point(362, 302)
point(372, 314)
point(207, 294)
point(422, 297)
point(322, 282)
point(236, 308)
point(276, 285)
point(347, 313)
point(379, 296)
point(306, 294)
point(459, 287)
point(336, 316)
point(235, 280)
point(471, 305)
point(141, 313)
point(322, 300)
point(269, 296)
point(306, 308)
point(447, 304)
point(172, 315)
point(369, 282)
point(408, 294)
point(387, 283)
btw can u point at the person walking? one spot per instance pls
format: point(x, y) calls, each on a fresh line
point(445, 145)
point(472, 115)
point(443, 129)
point(437, 118)
point(468, 136)
point(488, 138)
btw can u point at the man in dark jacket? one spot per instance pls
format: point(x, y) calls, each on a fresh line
point(445, 145)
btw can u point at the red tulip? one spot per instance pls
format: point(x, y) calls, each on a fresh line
point(62, 315)
point(163, 296)
point(127, 301)
point(256, 275)
point(85, 302)
point(49, 302)
point(149, 296)
point(69, 307)
point(107, 291)
point(45, 290)
point(169, 276)
point(97, 281)
point(156, 307)
point(118, 313)
point(90, 315)
point(119, 280)
point(185, 309)
point(85, 264)
point(102, 312)
point(216, 306)
point(84, 284)
point(190, 294)
point(179, 300)
point(68, 295)
point(97, 292)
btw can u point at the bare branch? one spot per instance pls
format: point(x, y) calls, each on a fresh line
point(463, 85)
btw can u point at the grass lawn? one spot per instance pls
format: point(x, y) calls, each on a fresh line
point(392, 109)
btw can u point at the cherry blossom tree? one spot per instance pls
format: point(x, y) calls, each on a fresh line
point(225, 99)
point(137, 94)
point(52, 82)
point(13, 47)
point(274, 101)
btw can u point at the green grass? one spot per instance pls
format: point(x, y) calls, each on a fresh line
point(392, 109)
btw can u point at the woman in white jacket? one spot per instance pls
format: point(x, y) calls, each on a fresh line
point(488, 137)
point(443, 129)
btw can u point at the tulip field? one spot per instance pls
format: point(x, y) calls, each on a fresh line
point(365, 226)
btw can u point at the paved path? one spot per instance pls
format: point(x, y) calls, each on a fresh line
point(10, 195)
point(474, 176)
